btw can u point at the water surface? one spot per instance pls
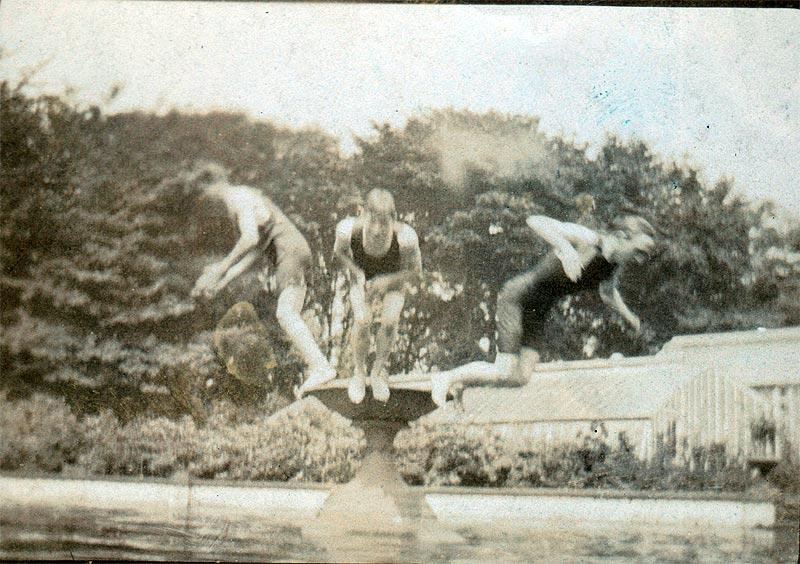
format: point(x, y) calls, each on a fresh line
point(45, 533)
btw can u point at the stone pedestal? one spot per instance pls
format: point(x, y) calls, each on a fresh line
point(377, 506)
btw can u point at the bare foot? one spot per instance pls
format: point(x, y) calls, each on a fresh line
point(380, 387)
point(356, 389)
point(316, 377)
point(440, 385)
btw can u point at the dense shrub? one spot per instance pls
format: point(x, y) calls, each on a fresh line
point(459, 455)
point(786, 475)
point(40, 433)
point(159, 446)
point(101, 443)
point(143, 447)
point(451, 455)
point(269, 441)
point(304, 441)
point(226, 413)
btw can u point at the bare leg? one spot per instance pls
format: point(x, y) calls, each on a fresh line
point(360, 344)
point(290, 304)
point(502, 372)
point(505, 369)
point(390, 318)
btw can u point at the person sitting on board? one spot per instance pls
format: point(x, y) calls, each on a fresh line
point(382, 257)
point(265, 232)
point(580, 259)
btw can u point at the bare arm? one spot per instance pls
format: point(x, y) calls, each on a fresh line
point(609, 293)
point(250, 215)
point(234, 271)
point(342, 251)
point(217, 275)
point(566, 239)
point(248, 239)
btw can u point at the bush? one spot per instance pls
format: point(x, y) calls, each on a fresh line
point(101, 451)
point(622, 469)
point(451, 455)
point(157, 447)
point(304, 441)
point(574, 465)
point(161, 447)
point(590, 463)
point(224, 413)
point(428, 454)
point(223, 433)
point(786, 475)
point(526, 469)
point(270, 441)
point(40, 432)
point(733, 478)
point(713, 470)
point(143, 447)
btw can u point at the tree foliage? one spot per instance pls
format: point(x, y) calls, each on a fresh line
point(102, 237)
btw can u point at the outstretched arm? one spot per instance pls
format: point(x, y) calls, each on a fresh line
point(234, 271)
point(249, 220)
point(565, 239)
point(248, 239)
point(411, 264)
point(609, 293)
point(341, 249)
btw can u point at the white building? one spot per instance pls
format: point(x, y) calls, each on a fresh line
point(739, 389)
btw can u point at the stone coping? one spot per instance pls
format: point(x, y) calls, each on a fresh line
point(521, 507)
point(162, 499)
point(572, 510)
point(705, 495)
point(176, 481)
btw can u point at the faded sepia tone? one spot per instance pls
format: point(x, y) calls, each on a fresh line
point(332, 282)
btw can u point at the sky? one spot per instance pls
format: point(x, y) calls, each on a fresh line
point(716, 88)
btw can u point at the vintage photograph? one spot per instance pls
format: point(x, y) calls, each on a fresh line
point(331, 282)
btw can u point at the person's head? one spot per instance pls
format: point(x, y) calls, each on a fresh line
point(378, 215)
point(630, 238)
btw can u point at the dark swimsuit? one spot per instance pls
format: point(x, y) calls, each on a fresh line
point(371, 265)
point(525, 301)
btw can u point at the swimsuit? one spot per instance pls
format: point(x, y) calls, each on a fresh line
point(373, 266)
point(525, 301)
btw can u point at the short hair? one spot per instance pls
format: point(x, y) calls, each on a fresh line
point(633, 224)
point(380, 202)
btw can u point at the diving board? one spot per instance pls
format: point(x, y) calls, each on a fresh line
point(410, 399)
